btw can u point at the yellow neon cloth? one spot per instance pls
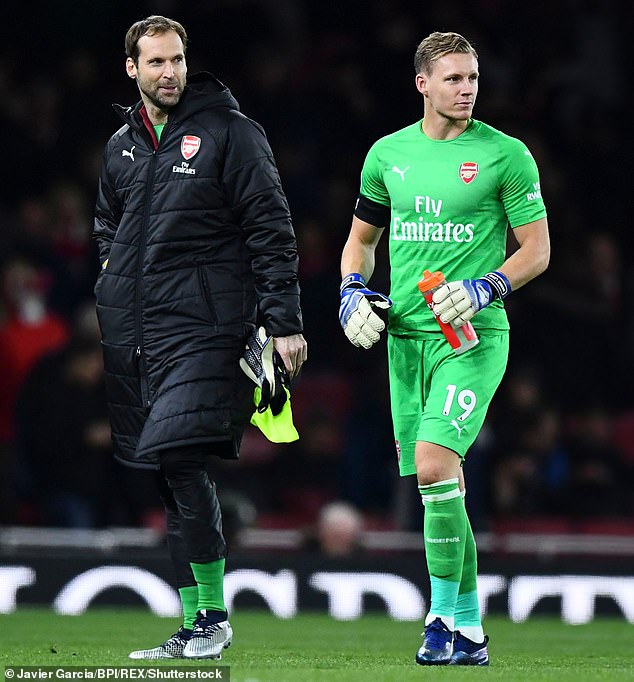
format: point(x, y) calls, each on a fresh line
point(278, 429)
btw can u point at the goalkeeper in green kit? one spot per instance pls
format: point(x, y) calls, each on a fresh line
point(445, 190)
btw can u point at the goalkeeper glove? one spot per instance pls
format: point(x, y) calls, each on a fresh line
point(264, 366)
point(457, 302)
point(359, 322)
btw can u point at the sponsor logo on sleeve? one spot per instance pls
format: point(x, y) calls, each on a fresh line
point(535, 194)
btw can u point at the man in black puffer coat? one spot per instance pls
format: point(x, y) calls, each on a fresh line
point(197, 246)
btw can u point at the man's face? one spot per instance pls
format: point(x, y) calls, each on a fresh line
point(452, 86)
point(161, 69)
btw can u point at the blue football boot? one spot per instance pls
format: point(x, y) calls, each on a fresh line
point(466, 652)
point(436, 649)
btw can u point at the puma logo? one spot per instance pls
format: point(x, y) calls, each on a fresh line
point(396, 169)
point(459, 428)
point(125, 152)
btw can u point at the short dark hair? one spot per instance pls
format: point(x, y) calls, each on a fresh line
point(437, 45)
point(153, 25)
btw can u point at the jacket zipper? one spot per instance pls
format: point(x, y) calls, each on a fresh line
point(143, 380)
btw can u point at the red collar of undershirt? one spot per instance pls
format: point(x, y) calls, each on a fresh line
point(149, 126)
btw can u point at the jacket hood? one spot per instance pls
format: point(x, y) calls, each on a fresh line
point(202, 91)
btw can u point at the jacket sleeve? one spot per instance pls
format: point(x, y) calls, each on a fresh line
point(253, 188)
point(107, 212)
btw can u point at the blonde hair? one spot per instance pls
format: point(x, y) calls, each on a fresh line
point(437, 45)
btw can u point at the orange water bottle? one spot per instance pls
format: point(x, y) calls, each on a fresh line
point(461, 339)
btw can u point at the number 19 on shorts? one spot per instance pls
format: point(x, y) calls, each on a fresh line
point(466, 400)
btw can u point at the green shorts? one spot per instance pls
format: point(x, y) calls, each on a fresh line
point(440, 397)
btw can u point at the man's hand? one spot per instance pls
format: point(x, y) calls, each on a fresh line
point(293, 350)
point(264, 366)
point(457, 302)
point(359, 322)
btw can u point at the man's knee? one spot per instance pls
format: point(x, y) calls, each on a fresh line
point(428, 473)
point(435, 463)
point(183, 464)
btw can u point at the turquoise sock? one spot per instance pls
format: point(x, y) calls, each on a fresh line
point(444, 530)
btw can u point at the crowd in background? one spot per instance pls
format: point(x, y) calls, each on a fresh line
point(325, 81)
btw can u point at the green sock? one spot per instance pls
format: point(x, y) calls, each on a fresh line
point(189, 600)
point(467, 616)
point(444, 530)
point(210, 579)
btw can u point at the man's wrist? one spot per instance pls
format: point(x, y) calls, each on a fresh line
point(499, 283)
point(353, 281)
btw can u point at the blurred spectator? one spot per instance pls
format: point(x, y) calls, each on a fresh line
point(53, 233)
point(63, 439)
point(28, 330)
point(337, 531)
point(319, 278)
point(63, 434)
point(513, 411)
point(306, 474)
point(600, 477)
point(576, 472)
point(71, 244)
point(583, 323)
point(533, 477)
point(368, 464)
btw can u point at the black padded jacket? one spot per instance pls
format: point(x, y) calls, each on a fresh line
point(196, 245)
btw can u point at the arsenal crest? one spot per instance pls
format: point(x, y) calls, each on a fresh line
point(190, 144)
point(468, 171)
